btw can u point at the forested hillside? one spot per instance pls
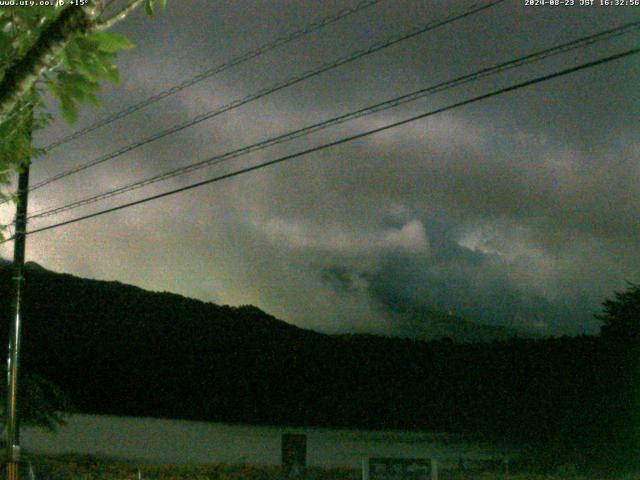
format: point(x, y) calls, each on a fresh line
point(118, 349)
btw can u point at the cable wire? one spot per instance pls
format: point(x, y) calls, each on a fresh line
point(413, 96)
point(269, 90)
point(344, 140)
point(245, 57)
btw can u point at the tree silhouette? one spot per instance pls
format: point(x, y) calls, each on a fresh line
point(621, 316)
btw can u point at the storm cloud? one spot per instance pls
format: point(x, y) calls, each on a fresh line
point(520, 210)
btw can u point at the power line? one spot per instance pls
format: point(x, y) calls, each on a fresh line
point(341, 141)
point(517, 62)
point(269, 90)
point(267, 47)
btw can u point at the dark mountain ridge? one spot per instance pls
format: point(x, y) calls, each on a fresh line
point(118, 349)
point(420, 325)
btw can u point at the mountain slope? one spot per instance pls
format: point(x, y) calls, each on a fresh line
point(118, 349)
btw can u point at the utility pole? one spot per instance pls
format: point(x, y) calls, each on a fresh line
point(13, 357)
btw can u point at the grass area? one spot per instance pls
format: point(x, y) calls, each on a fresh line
point(77, 467)
point(85, 467)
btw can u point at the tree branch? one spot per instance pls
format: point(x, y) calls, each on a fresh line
point(117, 17)
point(20, 77)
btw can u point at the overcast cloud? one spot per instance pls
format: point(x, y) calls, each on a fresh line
point(520, 210)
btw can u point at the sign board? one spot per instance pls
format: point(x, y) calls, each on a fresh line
point(294, 453)
point(387, 468)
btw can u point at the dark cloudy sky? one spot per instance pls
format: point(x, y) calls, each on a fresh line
point(519, 210)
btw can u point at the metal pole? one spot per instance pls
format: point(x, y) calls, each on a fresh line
point(13, 357)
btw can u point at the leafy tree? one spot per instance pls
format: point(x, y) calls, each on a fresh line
point(619, 410)
point(66, 49)
point(621, 315)
point(42, 402)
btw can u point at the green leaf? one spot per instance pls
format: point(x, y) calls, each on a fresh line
point(163, 4)
point(77, 86)
point(71, 55)
point(68, 109)
point(111, 41)
point(91, 98)
point(148, 7)
point(89, 65)
point(53, 88)
point(113, 74)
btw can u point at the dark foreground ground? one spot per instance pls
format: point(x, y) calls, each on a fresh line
point(67, 467)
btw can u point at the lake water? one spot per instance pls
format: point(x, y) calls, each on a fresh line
point(177, 441)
